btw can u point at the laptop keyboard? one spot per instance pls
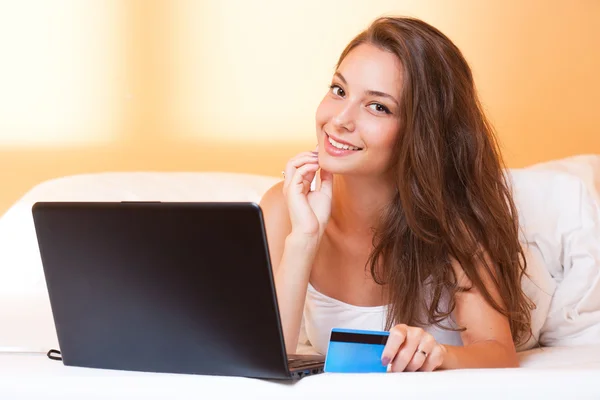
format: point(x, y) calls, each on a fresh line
point(299, 363)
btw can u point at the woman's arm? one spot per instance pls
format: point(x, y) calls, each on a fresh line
point(295, 220)
point(294, 227)
point(291, 260)
point(291, 281)
point(487, 340)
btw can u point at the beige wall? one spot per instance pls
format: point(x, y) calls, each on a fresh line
point(229, 85)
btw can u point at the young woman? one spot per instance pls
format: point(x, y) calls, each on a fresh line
point(411, 227)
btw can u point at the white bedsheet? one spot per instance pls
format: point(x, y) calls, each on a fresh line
point(550, 373)
point(547, 373)
point(26, 321)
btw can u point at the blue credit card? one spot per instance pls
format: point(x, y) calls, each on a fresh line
point(355, 351)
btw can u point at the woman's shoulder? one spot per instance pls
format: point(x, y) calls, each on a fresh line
point(273, 200)
point(277, 219)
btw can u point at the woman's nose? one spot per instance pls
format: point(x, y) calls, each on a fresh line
point(344, 118)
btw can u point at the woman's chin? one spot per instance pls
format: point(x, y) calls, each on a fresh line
point(338, 166)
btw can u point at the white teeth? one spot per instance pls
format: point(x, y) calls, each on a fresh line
point(340, 145)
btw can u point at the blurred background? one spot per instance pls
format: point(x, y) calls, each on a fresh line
point(232, 85)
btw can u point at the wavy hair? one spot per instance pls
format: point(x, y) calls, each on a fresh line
point(453, 200)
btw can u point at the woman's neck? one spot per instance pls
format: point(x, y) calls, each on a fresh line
point(358, 201)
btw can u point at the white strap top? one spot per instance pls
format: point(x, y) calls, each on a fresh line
point(323, 313)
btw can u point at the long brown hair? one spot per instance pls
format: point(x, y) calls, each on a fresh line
point(453, 200)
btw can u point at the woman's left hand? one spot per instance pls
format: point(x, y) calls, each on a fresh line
point(412, 349)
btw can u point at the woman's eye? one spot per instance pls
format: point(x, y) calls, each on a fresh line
point(379, 108)
point(338, 91)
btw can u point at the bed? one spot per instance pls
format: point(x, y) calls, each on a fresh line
point(553, 373)
point(558, 203)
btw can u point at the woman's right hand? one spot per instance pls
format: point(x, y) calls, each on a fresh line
point(309, 210)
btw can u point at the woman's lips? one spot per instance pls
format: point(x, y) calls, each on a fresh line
point(336, 151)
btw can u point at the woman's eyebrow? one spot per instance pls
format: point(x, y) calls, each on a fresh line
point(339, 75)
point(382, 94)
point(369, 92)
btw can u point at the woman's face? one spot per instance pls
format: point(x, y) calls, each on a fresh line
point(357, 120)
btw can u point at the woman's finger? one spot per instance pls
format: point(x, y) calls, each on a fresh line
point(297, 160)
point(302, 178)
point(395, 340)
point(423, 351)
point(326, 182)
point(407, 350)
point(295, 163)
point(434, 359)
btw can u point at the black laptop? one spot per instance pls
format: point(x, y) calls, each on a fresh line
point(164, 287)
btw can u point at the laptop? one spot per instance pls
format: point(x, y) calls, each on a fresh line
point(164, 287)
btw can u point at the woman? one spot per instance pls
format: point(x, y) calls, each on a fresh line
point(411, 227)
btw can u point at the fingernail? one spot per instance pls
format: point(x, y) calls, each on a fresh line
point(385, 361)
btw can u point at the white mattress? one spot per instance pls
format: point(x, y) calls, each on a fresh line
point(558, 372)
point(26, 321)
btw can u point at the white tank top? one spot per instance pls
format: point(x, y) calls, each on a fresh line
point(323, 313)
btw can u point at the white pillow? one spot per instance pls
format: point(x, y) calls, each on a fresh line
point(538, 285)
point(550, 217)
point(574, 315)
point(559, 211)
point(586, 167)
point(20, 265)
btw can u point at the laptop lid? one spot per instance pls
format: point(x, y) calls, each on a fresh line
point(162, 287)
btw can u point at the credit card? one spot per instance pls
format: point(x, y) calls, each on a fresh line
point(355, 351)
